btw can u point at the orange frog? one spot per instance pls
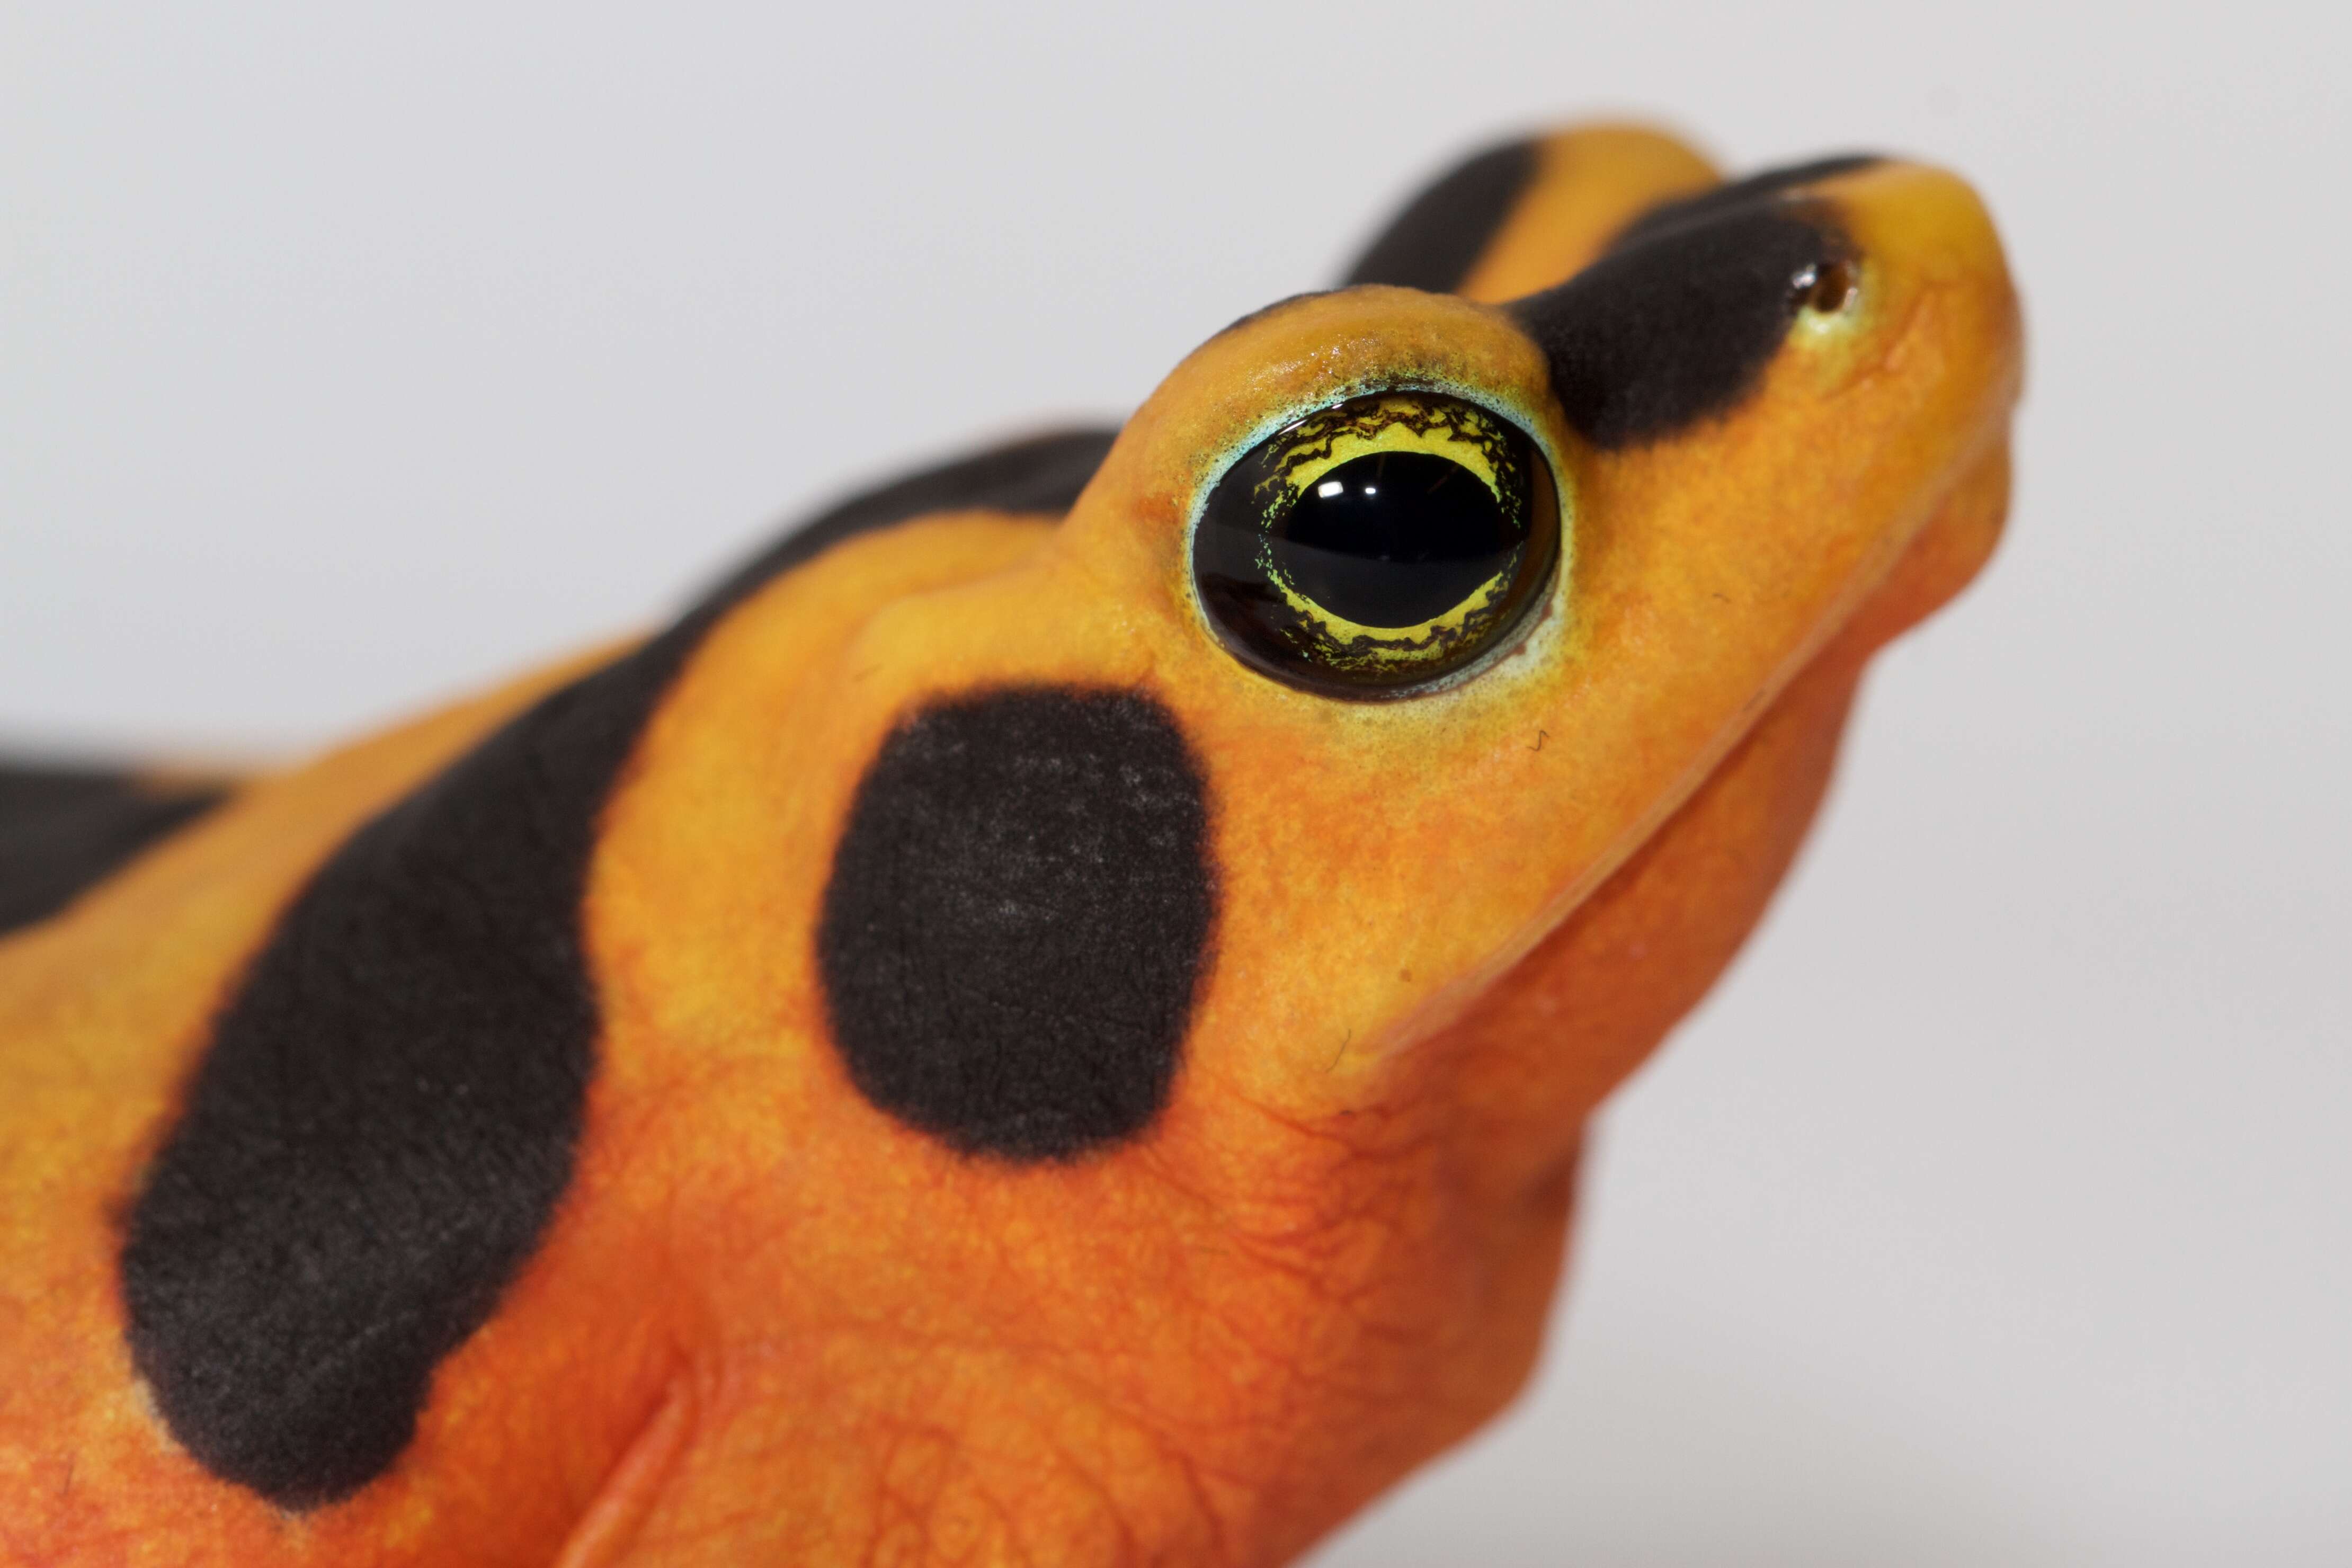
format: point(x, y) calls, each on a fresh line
point(1049, 1018)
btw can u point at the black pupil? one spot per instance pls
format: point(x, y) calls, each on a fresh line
point(1394, 538)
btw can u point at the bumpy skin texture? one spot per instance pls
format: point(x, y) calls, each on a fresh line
point(768, 1320)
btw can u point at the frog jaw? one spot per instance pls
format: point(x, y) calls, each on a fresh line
point(1533, 1051)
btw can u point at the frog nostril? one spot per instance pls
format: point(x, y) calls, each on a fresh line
point(1825, 287)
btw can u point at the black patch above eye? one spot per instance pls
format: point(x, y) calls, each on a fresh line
point(1016, 920)
point(1676, 324)
point(1378, 546)
point(1442, 231)
point(1733, 194)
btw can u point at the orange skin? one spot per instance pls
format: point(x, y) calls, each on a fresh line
point(770, 1324)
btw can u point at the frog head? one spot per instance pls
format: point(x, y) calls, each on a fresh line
point(1226, 903)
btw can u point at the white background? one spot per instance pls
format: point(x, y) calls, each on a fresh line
point(1994, 1212)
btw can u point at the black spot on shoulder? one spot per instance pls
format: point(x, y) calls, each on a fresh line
point(1732, 195)
point(1442, 231)
point(63, 830)
point(1017, 918)
point(1041, 474)
point(1676, 325)
point(386, 1116)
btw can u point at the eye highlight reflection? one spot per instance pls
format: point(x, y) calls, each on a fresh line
point(1378, 546)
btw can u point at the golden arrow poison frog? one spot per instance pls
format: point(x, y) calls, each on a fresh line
point(1048, 1018)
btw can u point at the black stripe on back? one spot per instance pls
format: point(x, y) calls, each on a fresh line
point(63, 830)
point(1041, 474)
point(1442, 231)
point(387, 1114)
point(1752, 190)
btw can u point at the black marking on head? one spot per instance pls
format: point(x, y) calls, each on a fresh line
point(1753, 191)
point(1017, 918)
point(386, 1118)
point(1040, 474)
point(1441, 234)
point(1676, 327)
point(63, 830)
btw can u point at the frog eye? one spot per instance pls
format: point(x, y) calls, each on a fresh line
point(1378, 546)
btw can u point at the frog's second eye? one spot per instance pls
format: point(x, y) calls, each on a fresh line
point(1378, 545)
